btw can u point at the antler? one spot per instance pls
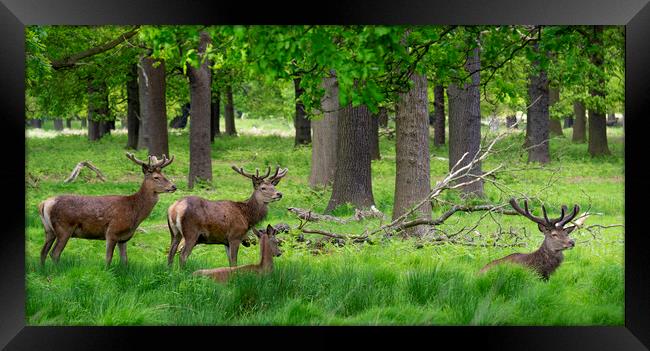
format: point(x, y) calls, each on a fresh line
point(526, 213)
point(241, 171)
point(279, 174)
point(160, 164)
point(564, 221)
point(131, 157)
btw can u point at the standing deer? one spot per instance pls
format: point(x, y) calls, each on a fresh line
point(556, 239)
point(201, 221)
point(268, 249)
point(113, 218)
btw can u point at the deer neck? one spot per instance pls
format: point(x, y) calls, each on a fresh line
point(548, 255)
point(143, 201)
point(256, 210)
point(266, 260)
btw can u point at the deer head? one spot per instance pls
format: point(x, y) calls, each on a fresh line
point(556, 236)
point(264, 185)
point(273, 242)
point(153, 177)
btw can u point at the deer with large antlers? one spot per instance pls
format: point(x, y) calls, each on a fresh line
point(113, 218)
point(268, 249)
point(200, 221)
point(549, 256)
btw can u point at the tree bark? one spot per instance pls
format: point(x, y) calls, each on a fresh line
point(537, 127)
point(352, 180)
point(568, 122)
point(511, 122)
point(58, 124)
point(200, 117)
point(215, 110)
point(83, 122)
point(68, 123)
point(412, 183)
point(597, 122)
point(323, 150)
point(439, 115)
point(229, 112)
point(97, 109)
point(465, 124)
point(133, 108)
point(36, 123)
point(373, 135)
point(555, 126)
point(153, 109)
point(383, 117)
point(301, 123)
point(579, 123)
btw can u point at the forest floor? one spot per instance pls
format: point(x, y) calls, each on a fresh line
point(389, 282)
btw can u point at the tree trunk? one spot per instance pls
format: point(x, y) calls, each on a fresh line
point(352, 179)
point(229, 112)
point(597, 122)
point(439, 115)
point(200, 80)
point(301, 123)
point(537, 126)
point(215, 109)
point(104, 128)
point(36, 123)
point(97, 109)
point(580, 122)
point(68, 123)
point(555, 127)
point(511, 122)
point(412, 183)
point(373, 135)
point(58, 124)
point(153, 109)
point(568, 122)
point(383, 117)
point(465, 125)
point(133, 108)
point(323, 150)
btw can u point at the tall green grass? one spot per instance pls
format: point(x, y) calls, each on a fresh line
point(389, 282)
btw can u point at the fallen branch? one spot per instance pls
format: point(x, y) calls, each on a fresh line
point(79, 166)
point(310, 216)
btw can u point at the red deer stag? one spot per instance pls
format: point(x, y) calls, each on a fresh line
point(201, 221)
point(268, 249)
point(113, 218)
point(556, 239)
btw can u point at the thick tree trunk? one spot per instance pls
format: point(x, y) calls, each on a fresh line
point(215, 110)
point(97, 110)
point(133, 108)
point(301, 123)
point(352, 179)
point(58, 124)
point(373, 135)
point(104, 128)
point(36, 123)
point(555, 127)
point(383, 117)
point(229, 112)
point(68, 123)
point(538, 116)
point(439, 115)
point(465, 125)
point(580, 122)
point(412, 183)
point(568, 122)
point(200, 156)
point(597, 122)
point(153, 109)
point(323, 150)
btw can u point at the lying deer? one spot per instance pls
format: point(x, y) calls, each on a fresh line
point(268, 249)
point(113, 218)
point(201, 221)
point(556, 239)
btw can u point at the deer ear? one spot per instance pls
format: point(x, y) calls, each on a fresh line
point(257, 233)
point(541, 228)
point(270, 230)
point(570, 229)
point(145, 169)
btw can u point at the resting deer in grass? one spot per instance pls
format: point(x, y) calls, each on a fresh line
point(113, 218)
point(268, 249)
point(201, 221)
point(556, 239)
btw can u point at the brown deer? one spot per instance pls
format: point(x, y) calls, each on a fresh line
point(268, 249)
point(113, 218)
point(556, 239)
point(201, 221)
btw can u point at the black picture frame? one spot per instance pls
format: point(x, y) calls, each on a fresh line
point(15, 14)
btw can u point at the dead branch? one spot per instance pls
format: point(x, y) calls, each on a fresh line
point(310, 216)
point(79, 166)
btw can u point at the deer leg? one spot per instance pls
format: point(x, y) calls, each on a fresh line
point(122, 246)
point(49, 240)
point(234, 248)
point(110, 247)
point(176, 239)
point(227, 247)
point(187, 249)
point(61, 241)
